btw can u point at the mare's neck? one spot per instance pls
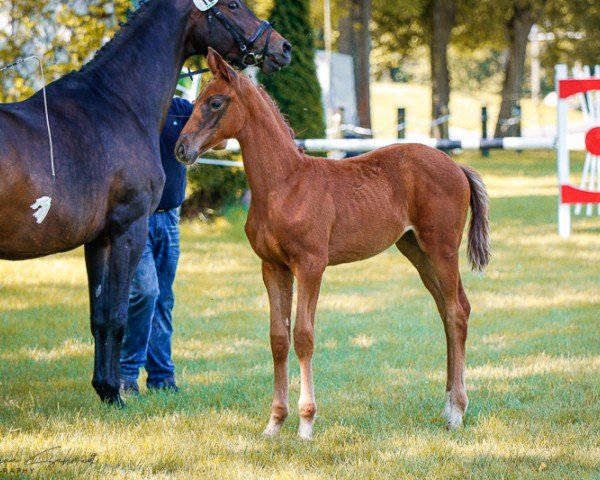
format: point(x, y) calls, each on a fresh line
point(140, 70)
point(269, 152)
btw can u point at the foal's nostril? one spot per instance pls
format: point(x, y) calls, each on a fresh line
point(181, 151)
point(287, 48)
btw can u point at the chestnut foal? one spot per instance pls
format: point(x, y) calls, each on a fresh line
point(307, 213)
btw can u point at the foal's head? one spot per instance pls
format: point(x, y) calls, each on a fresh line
point(219, 112)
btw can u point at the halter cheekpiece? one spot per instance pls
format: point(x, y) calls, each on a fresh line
point(249, 59)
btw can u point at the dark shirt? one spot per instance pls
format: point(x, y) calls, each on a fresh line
point(174, 192)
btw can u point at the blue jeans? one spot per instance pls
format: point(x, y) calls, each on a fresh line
point(149, 331)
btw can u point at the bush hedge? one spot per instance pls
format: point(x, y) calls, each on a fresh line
point(296, 88)
point(211, 188)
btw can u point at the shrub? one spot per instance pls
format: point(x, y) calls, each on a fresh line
point(296, 88)
point(211, 188)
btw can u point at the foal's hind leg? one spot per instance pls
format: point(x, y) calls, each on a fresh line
point(279, 281)
point(438, 269)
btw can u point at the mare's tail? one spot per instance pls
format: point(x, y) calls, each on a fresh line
point(478, 249)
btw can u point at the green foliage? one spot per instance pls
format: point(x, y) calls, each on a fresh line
point(481, 70)
point(211, 188)
point(568, 16)
point(260, 7)
point(64, 34)
point(398, 29)
point(296, 88)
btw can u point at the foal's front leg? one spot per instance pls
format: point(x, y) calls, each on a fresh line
point(309, 275)
point(279, 281)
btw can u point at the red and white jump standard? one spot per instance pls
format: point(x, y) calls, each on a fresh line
point(587, 88)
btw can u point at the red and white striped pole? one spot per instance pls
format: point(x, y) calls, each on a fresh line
point(568, 194)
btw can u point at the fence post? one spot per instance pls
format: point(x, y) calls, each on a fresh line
point(402, 123)
point(562, 155)
point(517, 113)
point(485, 152)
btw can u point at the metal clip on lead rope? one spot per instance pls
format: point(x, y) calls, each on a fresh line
point(35, 57)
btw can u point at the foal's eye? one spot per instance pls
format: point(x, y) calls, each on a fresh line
point(216, 105)
point(233, 5)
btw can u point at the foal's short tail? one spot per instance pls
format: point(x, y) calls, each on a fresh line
point(478, 249)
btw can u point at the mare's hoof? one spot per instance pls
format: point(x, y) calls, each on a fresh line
point(112, 400)
point(115, 400)
point(108, 393)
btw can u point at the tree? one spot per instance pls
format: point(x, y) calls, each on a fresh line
point(401, 27)
point(442, 18)
point(522, 16)
point(296, 88)
point(64, 34)
point(355, 40)
point(575, 24)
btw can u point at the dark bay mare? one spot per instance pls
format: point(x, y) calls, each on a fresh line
point(307, 213)
point(106, 120)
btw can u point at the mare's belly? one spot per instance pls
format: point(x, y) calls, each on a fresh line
point(27, 232)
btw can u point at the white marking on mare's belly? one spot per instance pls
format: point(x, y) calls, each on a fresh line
point(98, 291)
point(42, 206)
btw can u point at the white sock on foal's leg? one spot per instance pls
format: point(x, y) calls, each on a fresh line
point(452, 413)
point(305, 429)
point(273, 428)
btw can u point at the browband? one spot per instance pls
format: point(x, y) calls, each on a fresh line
point(205, 5)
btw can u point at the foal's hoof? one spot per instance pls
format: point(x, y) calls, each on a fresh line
point(452, 414)
point(454, 420)
point(272, 429)
point(305, 430)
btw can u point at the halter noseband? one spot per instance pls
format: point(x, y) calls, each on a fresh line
point(249, 59)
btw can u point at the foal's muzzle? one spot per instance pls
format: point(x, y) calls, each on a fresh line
point(185, 155)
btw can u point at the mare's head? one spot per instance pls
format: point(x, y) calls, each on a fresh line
point(230, 27)
point(219, 113)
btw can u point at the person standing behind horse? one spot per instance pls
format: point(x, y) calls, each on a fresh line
point(148, 336)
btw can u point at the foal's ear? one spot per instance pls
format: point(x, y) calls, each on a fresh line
point(219, 66)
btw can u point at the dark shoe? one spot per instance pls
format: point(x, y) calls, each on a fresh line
point(129, 387)
point(167, 385)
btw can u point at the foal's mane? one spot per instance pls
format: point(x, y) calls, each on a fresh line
point(120, 36)
point(263, 93)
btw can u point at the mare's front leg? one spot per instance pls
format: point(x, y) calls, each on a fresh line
point(111, 264)
point(309, 274)
point(279, 281)
point(96, 261)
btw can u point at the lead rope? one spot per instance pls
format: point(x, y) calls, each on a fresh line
point(35, 57)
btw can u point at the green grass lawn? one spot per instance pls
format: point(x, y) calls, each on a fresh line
point(533, 362)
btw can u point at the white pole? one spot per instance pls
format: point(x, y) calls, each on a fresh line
point(535, 64)
point(562, 155)
point(329, 62)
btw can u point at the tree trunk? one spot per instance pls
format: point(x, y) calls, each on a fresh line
point(442, 22)
point(518, 27)
point(355, 40)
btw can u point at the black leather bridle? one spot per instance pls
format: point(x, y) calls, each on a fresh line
point(249, 59)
